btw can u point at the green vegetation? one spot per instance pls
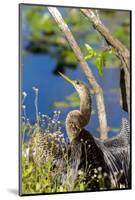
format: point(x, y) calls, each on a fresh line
point(99, 58)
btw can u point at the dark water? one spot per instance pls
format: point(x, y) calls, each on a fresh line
point(37, 71)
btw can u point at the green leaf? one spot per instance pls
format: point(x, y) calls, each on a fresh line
point(91, 52)
point(99, 65)
point(103, 58)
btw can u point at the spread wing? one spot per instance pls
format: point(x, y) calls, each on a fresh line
point(117, 152)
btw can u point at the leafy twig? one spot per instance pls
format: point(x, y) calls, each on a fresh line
point(122, 52)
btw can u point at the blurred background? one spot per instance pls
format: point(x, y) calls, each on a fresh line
point(45, 51)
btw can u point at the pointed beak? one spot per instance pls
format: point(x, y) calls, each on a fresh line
point(67, 78)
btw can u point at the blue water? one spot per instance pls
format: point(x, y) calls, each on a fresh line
point(37, 71)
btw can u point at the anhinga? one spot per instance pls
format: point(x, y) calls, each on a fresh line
point(77, 119)
point(112, 155)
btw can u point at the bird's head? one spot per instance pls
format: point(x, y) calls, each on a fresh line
point(78, 85)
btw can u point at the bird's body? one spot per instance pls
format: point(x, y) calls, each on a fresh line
point(112, 155)
point(92, 158)
point(116, 153)
point(87, 153)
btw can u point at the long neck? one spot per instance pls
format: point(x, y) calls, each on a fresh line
point(76, 120)
point(85, 104)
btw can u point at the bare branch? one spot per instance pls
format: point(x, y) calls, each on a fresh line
point(85, 68)
point(122, 52)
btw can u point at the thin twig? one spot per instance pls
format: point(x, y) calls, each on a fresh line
point(86, 69)
point(122, 52)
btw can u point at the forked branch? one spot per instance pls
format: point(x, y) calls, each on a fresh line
point(122, 52)
point(86, 69)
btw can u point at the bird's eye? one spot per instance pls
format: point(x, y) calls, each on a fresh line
point(77, 82)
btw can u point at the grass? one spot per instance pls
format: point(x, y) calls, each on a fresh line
point(46, 164)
